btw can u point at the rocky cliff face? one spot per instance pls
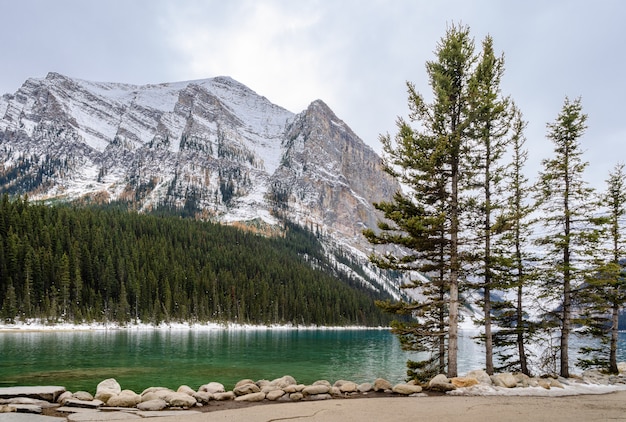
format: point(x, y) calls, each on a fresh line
point(213, 148)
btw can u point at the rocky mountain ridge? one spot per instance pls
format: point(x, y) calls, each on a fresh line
point(210, 148)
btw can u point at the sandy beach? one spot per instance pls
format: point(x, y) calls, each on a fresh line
point(604, 407)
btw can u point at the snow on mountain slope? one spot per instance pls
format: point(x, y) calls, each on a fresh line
point(212, 148)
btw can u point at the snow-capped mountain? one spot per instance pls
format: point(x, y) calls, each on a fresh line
point(213, 148)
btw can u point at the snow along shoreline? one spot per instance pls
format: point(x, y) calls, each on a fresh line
point(37, 325)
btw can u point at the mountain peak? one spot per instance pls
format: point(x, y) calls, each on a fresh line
point(212, 148)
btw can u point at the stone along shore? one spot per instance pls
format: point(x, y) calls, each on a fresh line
point(111, 402)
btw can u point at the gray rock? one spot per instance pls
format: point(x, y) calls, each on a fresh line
point(366, 387)
point(152, 405)
point(154, 389)
point(480, 375)
point(28, 401)
point(348, 387)
point(228, 395)
point(213, 387)
point(186, 389)
point(506, 380)
point(381, 384)
point(126, 398)
point(284, 381)
point(91, 404)
point(203, 397)
point(312, 390)
point(109, 384)
point(274, 395)
point(252, 397)
point(322, 382)
point(47, 393)
point(244, 382)
point(406, 389)
point(82, 395)
point(245, 389)
point(296, 396)
point(181, 400)
point(64, 396)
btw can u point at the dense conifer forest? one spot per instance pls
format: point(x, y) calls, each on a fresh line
point(81, 264)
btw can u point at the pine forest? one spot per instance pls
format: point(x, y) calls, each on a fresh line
point(77, 264)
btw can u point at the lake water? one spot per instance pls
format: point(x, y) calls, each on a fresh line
point(139, 359)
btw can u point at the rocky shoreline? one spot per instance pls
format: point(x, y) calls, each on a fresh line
point(56, 403)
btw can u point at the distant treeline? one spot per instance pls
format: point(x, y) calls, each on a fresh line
point(92, 264)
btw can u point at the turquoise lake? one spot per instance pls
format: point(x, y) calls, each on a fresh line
point(79, 360)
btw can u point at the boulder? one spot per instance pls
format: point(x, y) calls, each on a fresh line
point(381, 384)
point(186, 389)
point(348, 387)
point(181, 400)
point(556, 383)
point(406, 389)
point(461, 382)
point(244, 389)
point(621, 367)
point(290, 389)
point(274, 395)
point(252, 397)
point(202, 397)
point(296, 396)
point(47, 393)
point(152, 405)
point(244, 382)
point(228, 395)
point(482, 376)
point(365, 387)
point(441, 383)
point(82, 395)
point(83, 404)
point(284, 381)
point(322, 382)
point(213, 387)
point(523, 380)
point(126, 398)
point(109, 384)
point(544, 383)
point(153, 389)
point(65, 396)
point(506, 380)
point(312, 390)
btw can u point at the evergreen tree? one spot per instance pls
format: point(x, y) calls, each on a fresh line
point(514, 222)
point(566, 205)
point(430, 160)
point(491, 135)
point(604, 295)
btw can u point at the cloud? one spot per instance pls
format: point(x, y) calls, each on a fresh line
point(273, 49)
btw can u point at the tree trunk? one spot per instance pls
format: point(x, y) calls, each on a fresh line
point(453, 334)
point(521, 348)
point(614, 336)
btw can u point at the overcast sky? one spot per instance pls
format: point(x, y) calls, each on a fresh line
point(356, 55)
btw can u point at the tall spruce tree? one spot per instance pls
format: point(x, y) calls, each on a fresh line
point(430, 160)
point(491, 135)
point(514, 223)
point(604, 294)
point(566, 205)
